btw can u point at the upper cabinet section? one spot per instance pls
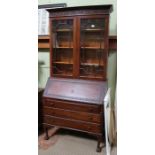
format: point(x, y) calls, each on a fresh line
point(79, 42)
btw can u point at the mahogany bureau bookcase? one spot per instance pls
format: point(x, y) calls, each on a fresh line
point(74, 93)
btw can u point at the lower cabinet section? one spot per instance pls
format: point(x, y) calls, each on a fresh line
point(83, 117)
point(67, 105)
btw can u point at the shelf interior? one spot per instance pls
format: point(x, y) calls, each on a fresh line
point(63, 62)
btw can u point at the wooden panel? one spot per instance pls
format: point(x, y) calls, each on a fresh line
point(96, 118)
point(90, 127)
point(74, 106)
point(76, 90)
point(82, 10)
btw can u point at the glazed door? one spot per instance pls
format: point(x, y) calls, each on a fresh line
point(93, 51)
point(63, 47)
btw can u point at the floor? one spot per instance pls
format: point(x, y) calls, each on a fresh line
point(70, 143)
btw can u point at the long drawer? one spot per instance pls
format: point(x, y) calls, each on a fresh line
point(74, 106)
point(83, 116)
point(83, 126)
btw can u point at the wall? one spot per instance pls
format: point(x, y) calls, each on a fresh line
point(43, 56)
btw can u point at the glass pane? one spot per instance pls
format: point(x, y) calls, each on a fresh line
point(62, 35)
point(92, 48)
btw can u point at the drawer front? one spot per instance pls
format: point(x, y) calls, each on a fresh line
point(83, 116)
point(82, 107)
point(66, 123)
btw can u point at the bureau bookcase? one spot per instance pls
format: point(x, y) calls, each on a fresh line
point(74, 93)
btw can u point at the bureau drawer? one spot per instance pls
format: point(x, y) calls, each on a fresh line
point(66, 123)
point(74, 106)
point(83, 116)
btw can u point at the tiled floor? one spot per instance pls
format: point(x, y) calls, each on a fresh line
point(71, 144)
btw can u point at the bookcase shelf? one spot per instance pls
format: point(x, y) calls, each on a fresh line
point(91, 64)
point(64, 30)
point(63, 75)
point(62, 47)
point(63, 63)
point(92, 48)
point(92, 30)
